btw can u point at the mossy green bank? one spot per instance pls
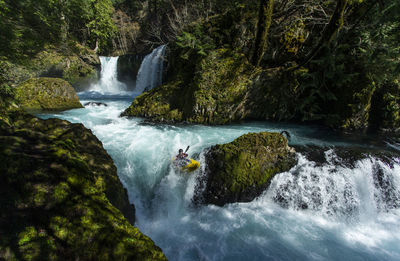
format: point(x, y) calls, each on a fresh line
point(60, 196)
point(45, 94)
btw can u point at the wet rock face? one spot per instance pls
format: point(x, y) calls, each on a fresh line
point(95, 104)
point(239, 171)
point(128, 68)
point(60, 196)
point(39, 94)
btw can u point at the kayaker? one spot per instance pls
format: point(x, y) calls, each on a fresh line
point(182, 155)
point(181, 159)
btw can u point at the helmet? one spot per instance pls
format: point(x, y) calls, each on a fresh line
point(180, 150)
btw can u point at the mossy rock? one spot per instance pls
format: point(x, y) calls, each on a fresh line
point(60, 196)
point(216, 94)
point(78, 65)
point(12, 74)
point(39, 94)
point(241, 170)
point(157, 105)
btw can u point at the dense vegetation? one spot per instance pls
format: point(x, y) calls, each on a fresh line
point(29, 26)
point(336, 62)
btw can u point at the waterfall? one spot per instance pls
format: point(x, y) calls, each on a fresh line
point(151, 70)
point(108, 82)
point(362, 192)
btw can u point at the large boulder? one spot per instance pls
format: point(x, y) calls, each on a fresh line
point(38, 94)
point(239, 171)
point(60, 196)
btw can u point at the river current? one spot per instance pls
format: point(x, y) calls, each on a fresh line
point(349, 216)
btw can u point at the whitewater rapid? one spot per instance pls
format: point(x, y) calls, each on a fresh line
point(326, 211)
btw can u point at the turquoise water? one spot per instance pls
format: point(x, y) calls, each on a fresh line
point(348, 217)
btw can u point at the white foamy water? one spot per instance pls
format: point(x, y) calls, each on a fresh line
point(312, 212)
point(151, 70)
point(108, 82)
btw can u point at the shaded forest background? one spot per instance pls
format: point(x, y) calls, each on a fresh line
point(341, 58)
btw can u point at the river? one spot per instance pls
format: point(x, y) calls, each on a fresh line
point(356, 227)
point(328, 211)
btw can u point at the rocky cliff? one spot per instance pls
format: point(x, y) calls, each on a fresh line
point(60, 195)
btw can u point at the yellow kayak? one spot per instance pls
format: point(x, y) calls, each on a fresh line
point(189, 167)
point(192, 166)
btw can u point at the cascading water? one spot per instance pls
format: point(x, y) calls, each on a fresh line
point(151, 70)
point(315, 211)
point(108, 83)
point(312, 212)
point(370, 188)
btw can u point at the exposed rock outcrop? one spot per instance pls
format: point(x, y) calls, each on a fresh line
point(239, 171)
point(60, 196)
point(128, 68)
point(79, 66)
point(217, 94)
point(95, 104)
point(39, 94)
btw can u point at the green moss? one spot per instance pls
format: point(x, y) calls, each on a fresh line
point(47, 94)
point(68, 203)
point(78, 66)
point(294, 37)
point(243, 168)
point(61, 192)
point(40, 195)
point(27, 236)
point(214, 96)
point(28, 244)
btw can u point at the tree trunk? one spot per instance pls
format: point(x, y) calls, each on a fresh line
point(264, 22)
point(331, 30)
point(97, 46)
point(64, 26)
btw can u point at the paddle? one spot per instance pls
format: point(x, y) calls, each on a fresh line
point(187, 149)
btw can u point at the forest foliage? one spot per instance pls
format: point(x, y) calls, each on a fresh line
point(29, 26)
point(347, 50)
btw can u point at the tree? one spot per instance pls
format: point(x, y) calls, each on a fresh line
point(331, 30)
point(101, 27)
point(264, 22)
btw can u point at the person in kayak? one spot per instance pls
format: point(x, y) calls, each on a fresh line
point(182, 155)
point(181, 158)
